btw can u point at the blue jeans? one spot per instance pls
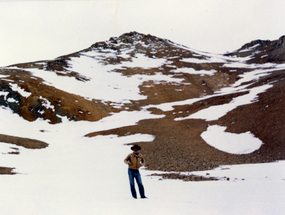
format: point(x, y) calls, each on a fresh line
point(135, 174)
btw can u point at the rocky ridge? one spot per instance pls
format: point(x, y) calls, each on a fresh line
point(262, 51)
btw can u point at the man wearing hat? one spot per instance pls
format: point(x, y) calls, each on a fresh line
point(135, 160)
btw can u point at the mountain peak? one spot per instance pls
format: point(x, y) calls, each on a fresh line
point(134, 36)
point(134, 41)
point(262, 51)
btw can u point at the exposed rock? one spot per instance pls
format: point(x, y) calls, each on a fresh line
point(12, 99)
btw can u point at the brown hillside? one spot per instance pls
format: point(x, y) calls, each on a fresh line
point(178, 145)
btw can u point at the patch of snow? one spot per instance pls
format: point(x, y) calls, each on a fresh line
point(4, 76)
point(21, 91)
point(168, 106)
point(173, 66)
point(208, 60)
point(243, 64)
point(12, 100)
point(217, 111)
point(2, 93)
point(250, 48)
point(121, 119)
point(193, 71)
point(5, 148)
point(47, 103)
point(124, 55)
point(142, 61)
point(244, 143)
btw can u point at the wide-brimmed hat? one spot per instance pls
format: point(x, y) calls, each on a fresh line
point(135, 147)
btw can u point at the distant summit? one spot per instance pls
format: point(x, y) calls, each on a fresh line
point(262, 51)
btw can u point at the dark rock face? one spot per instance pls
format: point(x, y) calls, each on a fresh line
point(276, 52)
point(56, 65)
point(12, 99)
point(262, 51)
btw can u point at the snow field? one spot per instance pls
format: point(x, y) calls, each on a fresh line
point(77, 174)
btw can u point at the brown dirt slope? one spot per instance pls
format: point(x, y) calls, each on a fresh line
point(178, 146)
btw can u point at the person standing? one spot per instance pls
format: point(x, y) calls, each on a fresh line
point(135, 160)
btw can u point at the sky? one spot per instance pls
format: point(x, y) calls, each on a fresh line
point(43, 30)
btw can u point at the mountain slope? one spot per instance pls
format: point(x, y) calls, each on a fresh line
point(186, 93)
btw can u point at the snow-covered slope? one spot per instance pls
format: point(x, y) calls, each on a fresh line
point(189, 110)
point(77, 175)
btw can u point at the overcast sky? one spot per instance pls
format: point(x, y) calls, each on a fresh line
point(43, 30)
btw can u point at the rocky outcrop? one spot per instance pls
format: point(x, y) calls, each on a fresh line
point(9, 98)
point(44, 101)
point(262, 51)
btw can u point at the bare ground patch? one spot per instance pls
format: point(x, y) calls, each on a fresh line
point(178, 176)
point(7, 171)
point(25, 142)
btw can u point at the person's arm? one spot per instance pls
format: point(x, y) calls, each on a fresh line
point(127, 160)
